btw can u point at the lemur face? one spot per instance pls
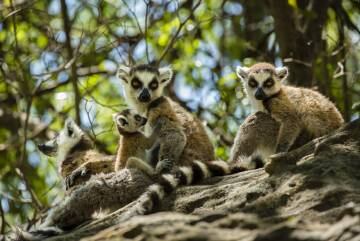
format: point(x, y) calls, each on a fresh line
point(70, 136)
point(144, 83)
point(262, 80)
point(129, 121)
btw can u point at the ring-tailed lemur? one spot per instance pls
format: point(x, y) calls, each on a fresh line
point(181, 137)
point(297, 109)
point(75, 155)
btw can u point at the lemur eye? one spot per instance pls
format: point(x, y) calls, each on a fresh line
point(136, 83)
point(122, 121)
point(253, 83)
point(138, 118)
point(153, 84)
point(269, 83)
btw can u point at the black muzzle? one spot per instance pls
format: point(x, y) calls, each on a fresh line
point(144, 96)
point(260, 94)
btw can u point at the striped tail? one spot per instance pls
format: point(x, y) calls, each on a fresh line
point(186, 175)
point(40, 234)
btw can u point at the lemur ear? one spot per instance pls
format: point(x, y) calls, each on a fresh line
point(71, 127)
point(123, 73)
point(282, 73)
point(165, 75)
point(242, 72)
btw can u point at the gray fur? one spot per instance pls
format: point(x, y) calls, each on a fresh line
point(103, 191)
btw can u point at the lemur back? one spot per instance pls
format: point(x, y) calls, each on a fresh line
point(298, 110)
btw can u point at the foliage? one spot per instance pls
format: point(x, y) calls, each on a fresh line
point(49, 49)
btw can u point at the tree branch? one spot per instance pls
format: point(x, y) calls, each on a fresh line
point(174, 38)
point(74, 76)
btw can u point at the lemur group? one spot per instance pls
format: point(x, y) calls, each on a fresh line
point(171, 145)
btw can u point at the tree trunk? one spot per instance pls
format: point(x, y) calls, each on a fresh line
point(299, 37)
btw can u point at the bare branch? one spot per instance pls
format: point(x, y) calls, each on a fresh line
point(175, 36)
point(147, 2)
point(134, 15)
point(91, 120)
point(3, 222)
point(74, 77)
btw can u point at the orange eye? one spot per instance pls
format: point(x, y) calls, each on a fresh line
point(136, 83)
point(269, 83)
point(138, 117)
point(253, 83)
point(153, 84)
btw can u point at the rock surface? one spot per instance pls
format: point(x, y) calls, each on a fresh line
point(313, 193)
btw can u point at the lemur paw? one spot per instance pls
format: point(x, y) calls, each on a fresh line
point(282, 148)
point(70, 180)
point(164, 166)
point(276, 162)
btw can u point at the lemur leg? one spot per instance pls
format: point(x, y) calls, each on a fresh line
point(282, 110)
point(288, 133)
point(172, 145)
point(172, 140)
point(134, 162)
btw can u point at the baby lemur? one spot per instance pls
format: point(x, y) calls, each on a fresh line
point(180, 137)
point(75, 155)
point(298, 110)
point(132, 143)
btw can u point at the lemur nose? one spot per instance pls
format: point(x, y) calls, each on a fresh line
point(41, 146)
point(260, 94)
point(144, 95)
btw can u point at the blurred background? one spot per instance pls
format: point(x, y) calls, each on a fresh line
point(58, 58)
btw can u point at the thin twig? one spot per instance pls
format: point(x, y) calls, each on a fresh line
point(3, 221)
point(147, 2)
point(74, 77)
point(91, 120)
point(174, 38)
point(134, 15)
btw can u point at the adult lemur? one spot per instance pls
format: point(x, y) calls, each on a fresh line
point(298, 110)
point(181, 137)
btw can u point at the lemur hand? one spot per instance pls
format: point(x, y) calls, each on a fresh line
point(70, 180)
point(164, 166)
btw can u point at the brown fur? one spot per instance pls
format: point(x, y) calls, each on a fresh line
point(300, 109)
point(198, 145)
point(256, 141)
point(131, 145)
point(91, 161)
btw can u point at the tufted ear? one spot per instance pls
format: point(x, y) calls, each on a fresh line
point(282, 73)
point(165, 75)
point(242, 73)
point(123, 73)
point(72, 129)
